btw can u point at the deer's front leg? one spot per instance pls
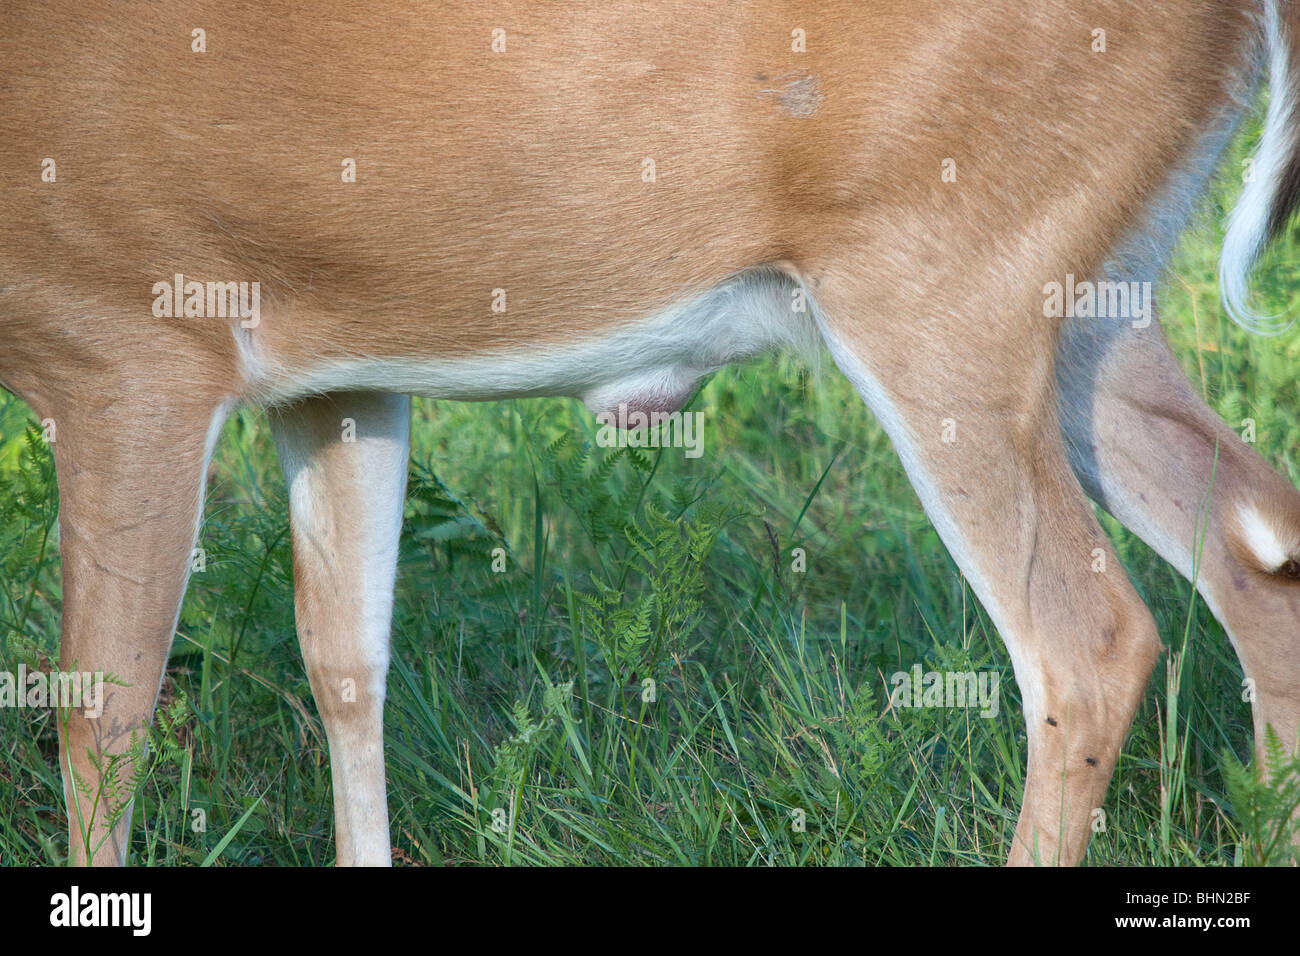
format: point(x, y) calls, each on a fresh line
point(131, 474)
point(345, 459)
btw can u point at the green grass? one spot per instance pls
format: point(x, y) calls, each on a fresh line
point(518, 698)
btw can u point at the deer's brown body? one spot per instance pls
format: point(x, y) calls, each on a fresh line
point(646, 190)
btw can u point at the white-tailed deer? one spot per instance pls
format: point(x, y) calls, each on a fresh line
point(609, 199)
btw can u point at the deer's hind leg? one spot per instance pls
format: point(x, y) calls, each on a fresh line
point(1153, 454)
point(977, 432)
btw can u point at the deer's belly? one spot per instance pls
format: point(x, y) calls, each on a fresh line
point(649, 366)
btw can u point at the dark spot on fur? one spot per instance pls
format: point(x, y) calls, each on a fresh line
point(1092, 761)
point(1238, 580)
point(796, 92)
point(1052, 721)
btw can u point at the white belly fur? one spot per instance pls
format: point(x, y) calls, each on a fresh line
point(652, 365)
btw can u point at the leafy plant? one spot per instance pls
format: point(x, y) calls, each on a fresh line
point(1266, 806)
